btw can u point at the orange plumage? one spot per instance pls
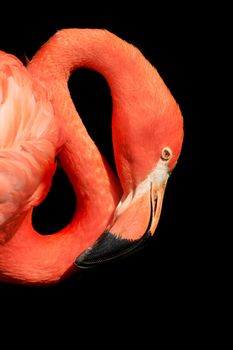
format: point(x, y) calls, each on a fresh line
point(38, 121)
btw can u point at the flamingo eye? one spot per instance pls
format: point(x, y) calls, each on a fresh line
point(166, 154)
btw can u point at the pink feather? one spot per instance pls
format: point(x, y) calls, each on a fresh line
point(28, 140)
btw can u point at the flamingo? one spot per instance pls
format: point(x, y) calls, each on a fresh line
point(39, 122)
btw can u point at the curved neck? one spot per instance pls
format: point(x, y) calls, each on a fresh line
point(30, 257)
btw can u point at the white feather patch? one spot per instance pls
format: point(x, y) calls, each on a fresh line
point(157, 177)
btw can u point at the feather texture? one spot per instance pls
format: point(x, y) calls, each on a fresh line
point(28, 139)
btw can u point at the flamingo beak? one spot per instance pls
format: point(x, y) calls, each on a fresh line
point(140, 218)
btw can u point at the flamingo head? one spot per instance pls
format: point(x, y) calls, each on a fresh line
point(144, 167)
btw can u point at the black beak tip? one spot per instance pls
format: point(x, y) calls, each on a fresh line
point(109, 248)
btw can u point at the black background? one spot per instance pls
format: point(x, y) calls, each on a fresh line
point(171, 272)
